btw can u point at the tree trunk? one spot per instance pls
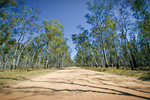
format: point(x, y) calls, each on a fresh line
point(39, 63)
point(14, 59)
point(27, 63)
point(134, 61)
point(14, 56)
point(101, 55)
point(95, 60)
point(18, 58)
point(148, 47)
point(63, 60)
point(58, 61)
point(0, 63)
point(32, 61)
point(46, 61)
point(105, 59)
point(117, 64)
point(104, 53)
point(128, 54)
point(5, 63)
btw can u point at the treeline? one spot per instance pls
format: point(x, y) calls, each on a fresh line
point(26, 44)
point(119, 34)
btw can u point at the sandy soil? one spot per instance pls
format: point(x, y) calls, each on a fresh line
point(78, 84)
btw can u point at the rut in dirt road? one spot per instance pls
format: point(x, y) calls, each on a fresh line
point(74, 83)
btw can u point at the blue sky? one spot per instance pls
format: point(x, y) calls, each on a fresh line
point(70, 13)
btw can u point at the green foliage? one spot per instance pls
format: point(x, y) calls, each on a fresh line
point(119, 35)
point(22, 45)
point(56, 47)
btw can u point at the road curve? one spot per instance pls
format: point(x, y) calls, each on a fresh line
point(74, 83)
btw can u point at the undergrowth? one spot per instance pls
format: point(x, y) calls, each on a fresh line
point(142, 74)
point(9, 77)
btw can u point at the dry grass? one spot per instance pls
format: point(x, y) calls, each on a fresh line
point(11, 77)
point(143, 74)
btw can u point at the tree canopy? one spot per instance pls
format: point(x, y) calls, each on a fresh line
point(26, 44)
point(119, 34)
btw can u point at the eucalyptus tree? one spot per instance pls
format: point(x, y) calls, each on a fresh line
point(102, 23)
point(19, 44)
point(57, 51)
point(6, 11)
point(33, 52)
point(25, 26)
point(83, 47)
point(112, 42)
point(141, 11)
point(39, 49)
point(119, 34)
point(17, 22)
point(127, 32)
point(4, 5)
point(53, 31)
point(99, 17)
point(66, 59)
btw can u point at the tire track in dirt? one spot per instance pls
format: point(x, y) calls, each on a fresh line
point(74, 83)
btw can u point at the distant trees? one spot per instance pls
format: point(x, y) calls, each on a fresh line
point(141, 12)
point(56, 47)
point(83, 47)
point(119, 34)
point(26, 44)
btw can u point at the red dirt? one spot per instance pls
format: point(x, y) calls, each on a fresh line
point(78, 84)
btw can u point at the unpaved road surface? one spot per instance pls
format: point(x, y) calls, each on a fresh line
point(78, 84)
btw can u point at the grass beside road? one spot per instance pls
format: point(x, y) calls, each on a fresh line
point(9, 77)
point(142, 74)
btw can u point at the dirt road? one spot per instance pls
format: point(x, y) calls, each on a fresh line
point(78, 84)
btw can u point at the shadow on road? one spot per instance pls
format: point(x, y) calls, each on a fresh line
point(85, 86)
point(34, 90)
